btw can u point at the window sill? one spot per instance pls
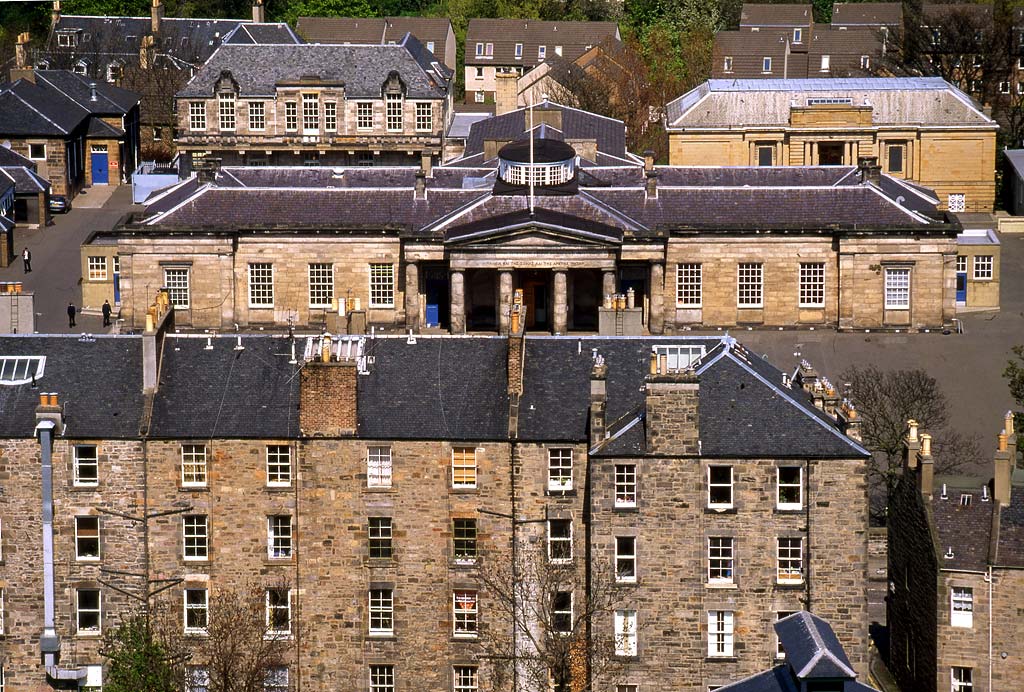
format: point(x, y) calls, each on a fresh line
point(790, 585)
point(725, 586)
point(381, 637)
point(465, 637)
point(720, 510)
point(626, 509)
point(557, 492)
point(84, 488)
point(196, 560)
point(279, 561)
point(193, 488)
point(464, 564)
point(278, 488)
point(83, 560)
point(89, 635)
point(788, 510)
point(721, 659)
point(466, 490)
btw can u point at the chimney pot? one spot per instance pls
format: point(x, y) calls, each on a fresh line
point(912, 434)
point(44, 399)
point(1002, 441)
point(926, 445)
point(259, 12)
point(654, 362)
point(1008, 427)
point(663, 364)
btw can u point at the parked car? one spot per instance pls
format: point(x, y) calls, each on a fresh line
point(59, 204)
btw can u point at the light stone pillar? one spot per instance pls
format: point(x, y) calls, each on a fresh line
point(412, 295)
point(458, 306)
point(656, 324)
point(505, 301)
point(607, 283)
point(561, 304)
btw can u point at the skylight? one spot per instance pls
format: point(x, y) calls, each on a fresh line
point(15, 370)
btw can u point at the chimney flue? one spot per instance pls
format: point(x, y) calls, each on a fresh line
point(21, 51)
point(926, 466)
point(259, 12)
point(1003, 471)
point(156, 16)
point(870, 171)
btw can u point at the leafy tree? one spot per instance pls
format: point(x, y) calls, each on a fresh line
point(329, 8)
point(145, 653)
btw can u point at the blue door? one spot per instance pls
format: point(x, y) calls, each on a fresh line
point(100, 170)
point(961, 288)
point(117, 288)
point(435, 284)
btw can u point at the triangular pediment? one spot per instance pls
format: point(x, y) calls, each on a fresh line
point(532, 235)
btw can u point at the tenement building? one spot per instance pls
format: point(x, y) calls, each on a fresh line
point(956, 553)
point(666, 500)
point(922, 130)
point(570, 220)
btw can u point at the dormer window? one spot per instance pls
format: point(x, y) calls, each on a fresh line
point(825, 63)
point(479, 50)
point(798, 35)
point(558, 51)
point(727, 64)
point(865, 62)
point(115, 71)
point(542, 52)
point(67, 39)
point(82, 67)
point(519, 51)
point(766, 65)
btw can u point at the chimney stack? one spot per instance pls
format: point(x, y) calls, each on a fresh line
point(911, 445)
point(672, 411)
point(1003, 471)
point(147, 52)
point(598, 395)
point(328, 394)
point(21, 51)
point(926, 466)
point(421, 185)
point(49, 408)
point(870, 171)
point(156, 16)
point(849, 418)
point(506, 93)
point(427, 163)
point(259, 12)
point(55, 13)
point(650, 175)
point(159, 320)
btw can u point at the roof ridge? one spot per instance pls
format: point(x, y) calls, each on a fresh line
point(41, 114)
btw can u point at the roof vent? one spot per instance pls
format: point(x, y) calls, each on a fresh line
point(944, 496)
point(984, 493)
point(949, 553)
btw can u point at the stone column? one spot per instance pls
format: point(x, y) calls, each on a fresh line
point(505, 301)
point(656, 323)
point(607, 283)
point(561, 304)
point(412, 295)
point(458, 306)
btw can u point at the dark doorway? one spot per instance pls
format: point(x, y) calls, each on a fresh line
point(584, 299)
point(438, 302)
point(831, 153)
point(482, 300)
point(536, 287)
point(635, 276)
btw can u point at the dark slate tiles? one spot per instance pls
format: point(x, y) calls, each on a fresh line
point(964, 529)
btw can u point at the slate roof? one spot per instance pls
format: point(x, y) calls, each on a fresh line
point(1011, 530)
point(965, 529)
point(25, 179)
point(247, 33)
point(57, 103)
point(576, 38)
point(362, 69)
point(9, 157)
point(775, 15)
point(867, 13)
point(1016, 159)
point(98, 382)
point(377, 30)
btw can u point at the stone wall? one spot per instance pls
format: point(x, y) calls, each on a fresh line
point(328, 399)
point(673, 425)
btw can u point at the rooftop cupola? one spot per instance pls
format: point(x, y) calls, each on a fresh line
point(552, 163)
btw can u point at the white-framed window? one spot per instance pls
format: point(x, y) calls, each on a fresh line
point(380, 537)
point(983, 267)
point(625, 559)
point(464, 541)
point(321, 285)
point(560, 540)
point(88, 611)
point(750, 285)
point(86, 465)
point(291, 116)
point(812, 284)
point(382, 612)
point(261, 285)
point(464, 467)
point(956, 202)
point(393, 112)
point(727, 64)
point(766, 64)
point(798, 35)
point(430, 46)
point(276, 679)
point(67, 39)
point(790, 564)
point(464, 679)
point(961, 264)
point(378, 467)
point(279, 611)
point(479, 50)
point(679, 357)
point(625, 485)
point(196, 536)
point(382, 678)
point(197, 679)
point(961, 612)
point(193, 466)
point(197, 611)
point(479, 96)
point(519, 51)
point(542, 52)
point(15, 370)
point(279, 537)
point(37, 152)
point(197, 116)
point(789, 488)
point(81, 67)
point(865, 62)
point(721, 560)
point(424, 117)
point(177, 284)
point(825, 63)
point(98, 268)
point(780, 652)
point(382, 285)
point(897, 288)
point(226, 111)
point(720, 633)
point(561, 612)
point(688, 285)
point(257, 115)
point(310, 114)
point(558, 51)
point(364, 115)
point(330, 116)
point(465, 613)
point(560, 468)
point(961, 679)
point(87, 538)
point(719, 487)
point(625, 633)
point(279, 465)
point(1004, 87)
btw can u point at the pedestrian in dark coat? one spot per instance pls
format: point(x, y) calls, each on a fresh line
point(106, 313)
point(71, 314)
point(26, 257)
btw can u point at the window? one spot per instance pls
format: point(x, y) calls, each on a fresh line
point(780, 615)
point(197, 679)
point(625, 633)
point(519, 51)
point(561, 612)
point(627, 688)
point(97, 269)
point(625, 558)
point(798, 35)
point(364, 115)
point(479, 50)
point(766, 155)
point(790, 561)
point(464, 467)
point(464, 538)
point(279, 465)
point(279, 611)
point(766, 64)
point(789, 488)
point(331, 116)
point(89, 611)
point(688, 285)
point(982, 267)
point(825, 63)
point(67, 39)
point(279, 537)
point(196, 530)
point(197, 610)
point(430, 46)
point(261, 285)
point(719, 486)
point(291, 116)
point(177, 285)
point(559, 540)
point(479, 74)
point(625, 485)
point(276, 679)
point(560, 469)
point(1004, 87)
point(87, 538)
point(378, 467)
point(720, 629)
point(962, 679)
point(897, 288)
point(542, 52)
point(193, 465)
point(382, 285)
point(15, 370)
point(382, 606)
point(812, 284)
point(87, 465)
point(321, 285)
point(424, 117)
point(720, 560)
point(727, 64)
point(464, 679)
point(961, 264)
point(226, 111)
point(558, 51)
point(393, 112)
point(957, 202)
point(37, 152)
point(81, 67)
point(961, 607)
point(197, 116)
point(749, 285)
point(465, 613)
point(311, 158)
point(310, 114)
point(1, 618)
point(379, 536)
point(479, 96)
point(257, 115)
point(382, 678)
point(865, 62)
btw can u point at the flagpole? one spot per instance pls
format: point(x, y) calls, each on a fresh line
point(532, 172)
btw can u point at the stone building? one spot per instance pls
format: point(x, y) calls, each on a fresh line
point(922, 130)
point(376, 517)
point(955, 559)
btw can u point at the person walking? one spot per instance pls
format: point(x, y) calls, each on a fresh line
point(106, 313)
point(26, 257)
point(71, 314)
